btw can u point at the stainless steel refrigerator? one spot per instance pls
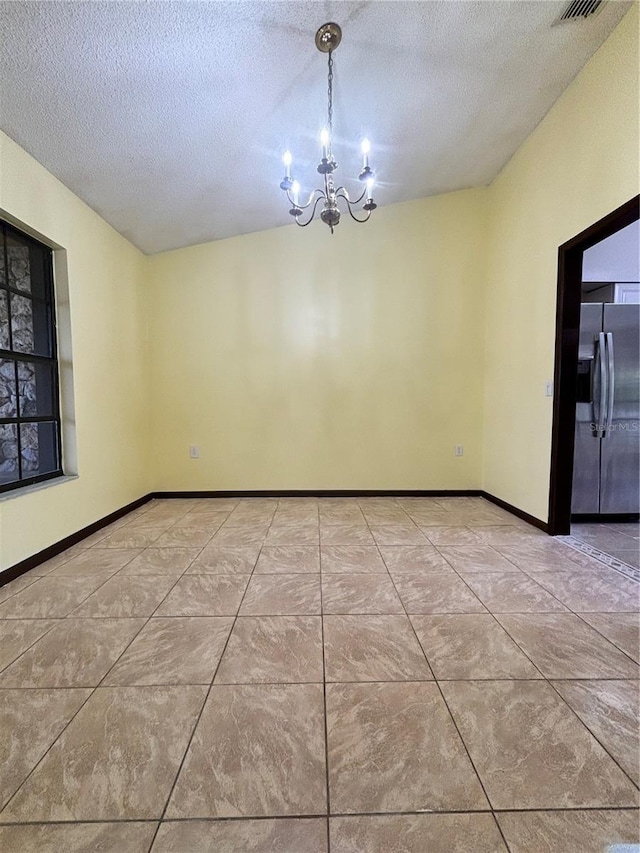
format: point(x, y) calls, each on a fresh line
point(606, 468)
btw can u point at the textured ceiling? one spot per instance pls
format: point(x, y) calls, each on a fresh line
point(169, 118)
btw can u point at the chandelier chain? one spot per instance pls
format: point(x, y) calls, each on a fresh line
point(330, 99)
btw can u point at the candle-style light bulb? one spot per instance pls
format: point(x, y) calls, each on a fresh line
point(324, 141)
point(296, 193)
point(370, 183)
point(286, 159)
point(365, 147)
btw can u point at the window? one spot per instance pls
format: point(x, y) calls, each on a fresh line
point(30, 443)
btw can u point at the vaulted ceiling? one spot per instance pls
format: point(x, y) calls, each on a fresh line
point(170, 118)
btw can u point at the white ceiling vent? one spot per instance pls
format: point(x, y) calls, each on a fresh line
point(580, 9)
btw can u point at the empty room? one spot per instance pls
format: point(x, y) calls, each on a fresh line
point(319, 426)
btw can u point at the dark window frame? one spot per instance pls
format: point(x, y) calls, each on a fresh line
point(16, 356)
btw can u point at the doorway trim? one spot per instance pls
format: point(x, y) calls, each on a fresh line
point(566, 358)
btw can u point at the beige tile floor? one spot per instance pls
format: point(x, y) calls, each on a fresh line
point(373, 675)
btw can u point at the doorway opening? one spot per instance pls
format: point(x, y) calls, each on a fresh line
point(587, 386)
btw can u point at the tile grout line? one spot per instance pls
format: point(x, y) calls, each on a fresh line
point(92, 689)
point(36, 578)
point(570, 551)
point(493, 616)
point(598, 631)
point(64, 577)
point(62, 620)
point(46, 752)
point(566, 612)
point(550, 681)
point(451, 717)
point(531, 577)
point(150, 617)
point(37, 640)
point(206, 697)
point(287, 817)
point(324, 689)
point(502, 835)
point(593, 735)
point(532, 679)
point(560, 572)
point(146, 622)
point(544, 678)
point(570, 610)
point(75, 551)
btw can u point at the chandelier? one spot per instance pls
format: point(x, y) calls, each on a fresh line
point(328, 38)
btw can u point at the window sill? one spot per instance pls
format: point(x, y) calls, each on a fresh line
point(36, 487)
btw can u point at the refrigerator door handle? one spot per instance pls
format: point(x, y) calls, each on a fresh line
point(611, 376)
point(599, 417)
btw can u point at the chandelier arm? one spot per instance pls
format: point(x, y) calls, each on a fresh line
point(303, 206)
point(344, 193)
point(361, 221)
point(313, 212)
point(351, 213)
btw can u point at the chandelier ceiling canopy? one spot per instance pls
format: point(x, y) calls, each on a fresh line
point(327, 40)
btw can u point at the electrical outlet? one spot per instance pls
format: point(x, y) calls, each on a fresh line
point(194, 451)
point(459, 450)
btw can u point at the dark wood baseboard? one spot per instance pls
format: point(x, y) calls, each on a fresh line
point(519, 513)
point(58, 547)
point(324, 493)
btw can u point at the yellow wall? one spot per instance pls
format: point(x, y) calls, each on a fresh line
point(106, 305)
point(298, 360)
point(578, 165)
point(365, 377)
